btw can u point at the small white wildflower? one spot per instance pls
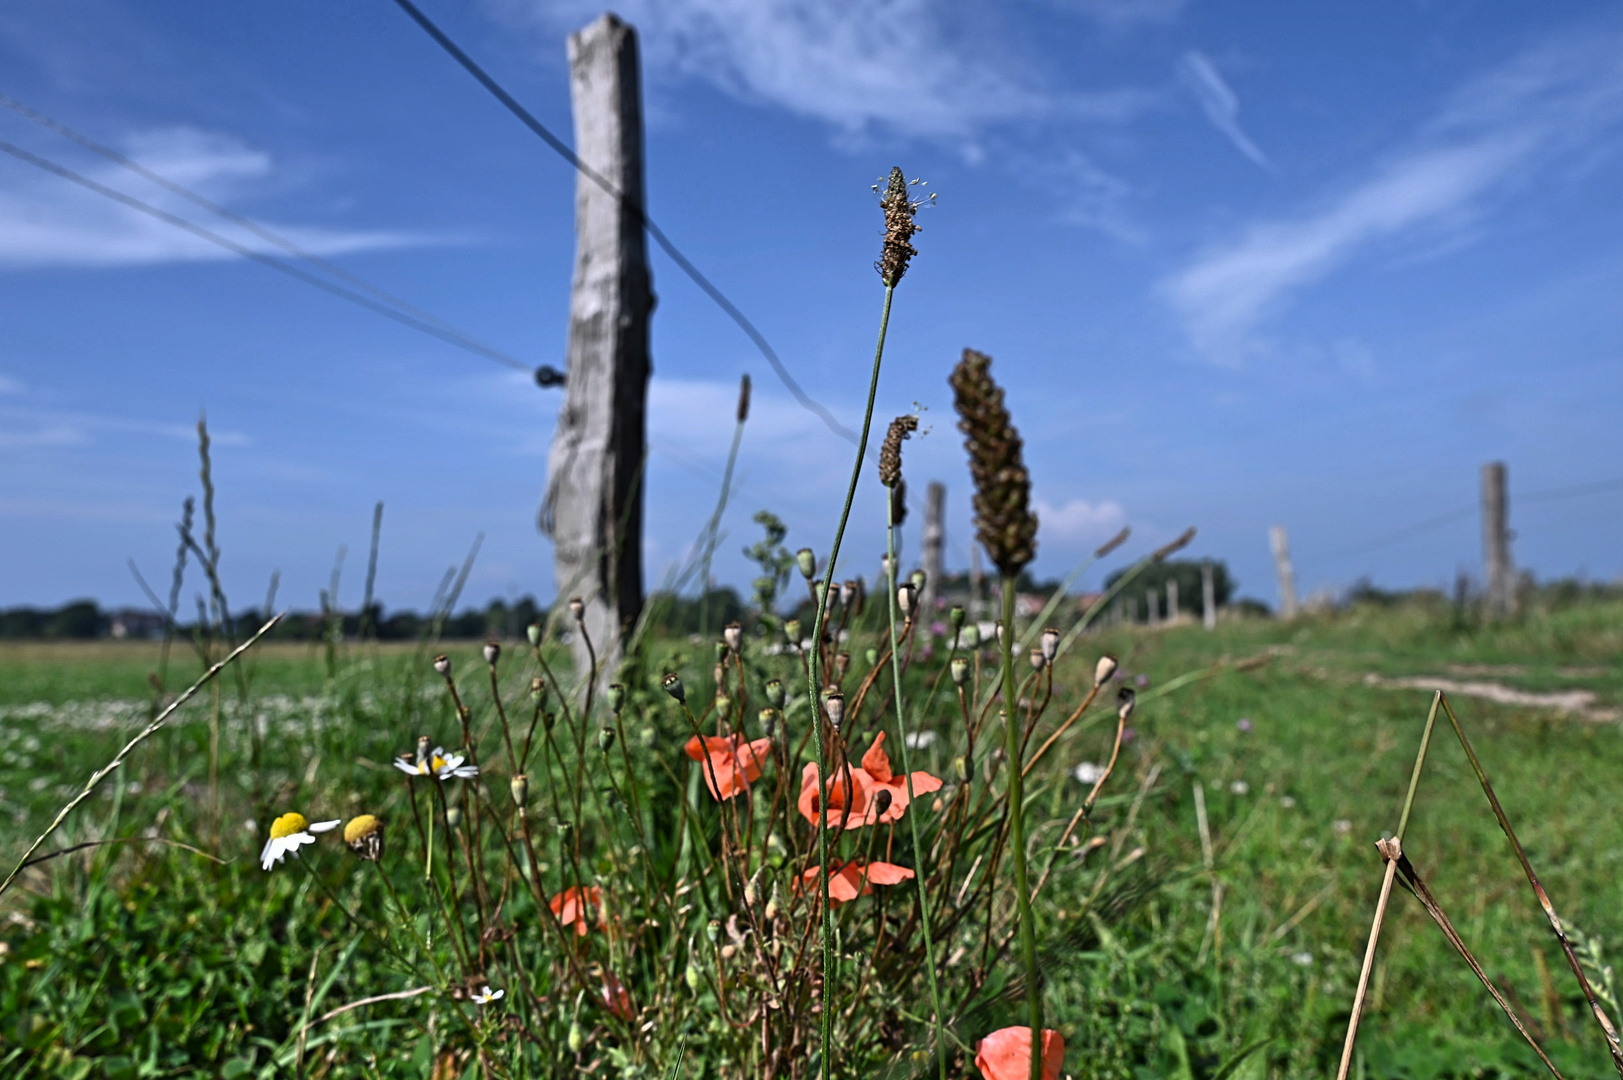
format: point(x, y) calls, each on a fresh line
point(288, 833)
point(1088, 773)
point(1240, 787)
point(1287, 802)
point(1341, 826)
point(487, 995)
point(440, 763)
point(920, 740)
point(1302, 959)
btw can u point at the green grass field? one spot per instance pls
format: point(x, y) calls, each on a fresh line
point(143, 959)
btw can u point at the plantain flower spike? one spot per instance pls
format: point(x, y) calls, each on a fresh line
point(890, 451)
point(1004, 522)
point(899, 209)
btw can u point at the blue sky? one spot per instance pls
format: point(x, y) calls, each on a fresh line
point(1236, 264)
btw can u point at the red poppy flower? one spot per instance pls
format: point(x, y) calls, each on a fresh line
point(576, 907)
point(876, 763)
point(861, 784)
point(616, 998)
point(855, 879)
point(1006, 1054)
point(729, 765)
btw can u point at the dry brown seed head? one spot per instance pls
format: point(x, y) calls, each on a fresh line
point(890, 451)
point(1004, 522)
point(899, 209)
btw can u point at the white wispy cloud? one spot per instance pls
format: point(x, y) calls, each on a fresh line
point(1219, 102)
point(1079, 521)
point(1126, 14)
point(1546, 107)
point(900, 65)
point(46, 220)
point(23, 426)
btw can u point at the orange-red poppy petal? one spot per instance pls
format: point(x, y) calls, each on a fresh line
point(1006, 1054)
point(884, 873)
point(876, 761)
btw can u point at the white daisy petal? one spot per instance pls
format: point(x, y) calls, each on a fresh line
point(407, 767)
point(323, 826)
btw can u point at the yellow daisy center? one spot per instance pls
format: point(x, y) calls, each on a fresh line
point(364, 825)
point(287, 825)
point(438, 763)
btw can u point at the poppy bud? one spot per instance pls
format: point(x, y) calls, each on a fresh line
point(616, 698)
point(733, 635)
point(871, 655)
point(605, 739)
point(538, 690)
point(774, 693)
point(808, 563)
point(1038, 660)
point(533, 632)
point(673, 686)
point(493, 652)
point(1125, 701)
point(918, 578)
point(442, 664)
point(520, 787)
point(791, 630)
point(842, 664)
point(694, 977)
point(971, 637)
point(549, 718)
point(712, 930)
point(721, 653)
point(960, 670)
point(577, 1037)
point(724, 707)
point(1050, 644)
point(834, 703)
point(752, 887)
point(453, 817)
point(955, 616)
point(773, 903)
point(577, 608)
point(881, 801)
point(960, 768)
point(1104, 669)
point(769, 721)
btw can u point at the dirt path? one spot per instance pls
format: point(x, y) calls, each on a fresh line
point(1569, 702)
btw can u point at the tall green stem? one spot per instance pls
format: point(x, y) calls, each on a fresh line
point(1017, 833)
point(907, 770)
point(712, 529)
point(813, 678)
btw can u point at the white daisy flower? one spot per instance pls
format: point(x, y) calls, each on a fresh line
point(487, 995)
point(440, 763)
point(289, 833)
point(1088, 772)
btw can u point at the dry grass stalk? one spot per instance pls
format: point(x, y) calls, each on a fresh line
point(1390, 851)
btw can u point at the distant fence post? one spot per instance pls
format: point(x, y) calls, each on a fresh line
point(593, 507)
point(1208, 596)
point(1172, 601)
point(1152, 614)
point(1497, 571)
point(977, 579)
point(1287, 573)
point(935, 533)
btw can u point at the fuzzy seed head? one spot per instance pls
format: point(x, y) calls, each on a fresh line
point(899, 209)
point(1004, 522)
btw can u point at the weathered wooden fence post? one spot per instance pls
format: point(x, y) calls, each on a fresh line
point(1151, 613)
point(1172, 601)
point(935, 534)
point(1208, 596)
point(1287, 573)
point(593, 507)
point(977, 578)
point(1497, 571)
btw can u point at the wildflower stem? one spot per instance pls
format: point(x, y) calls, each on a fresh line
point(827, 1017)
point(1017, 832)
point(907, 771)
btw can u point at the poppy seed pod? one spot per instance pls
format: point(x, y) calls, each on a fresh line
point(533, 632)
point(1050, 644)
point(493, 652)
point(694, 977)
point(577, 1037)
point(960, 768)
point(955, 616)
point(791, 630)
point(616, 697)
point(672, 683)
point(1038, 660)
point(538, 690)
point(971, 637)
point(774, 693)
point(960, 670)
point(752, 887)
point(577, 608)
point(520, 788)
point(605, 739)
point(768, 718)
point(806, 559)
point(549, 718)
point(1125, 701)
point(1104, 669)
point(918, 578)
point(721, 652)
point(712, 930)
point(773, 903)
point(871, 655)
point(724, 707)
point(733, 635)
point(834, 703)
point(453, 817)
point(442, 664)
point(848, 593)
point(905, 595)
point(842, 664)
